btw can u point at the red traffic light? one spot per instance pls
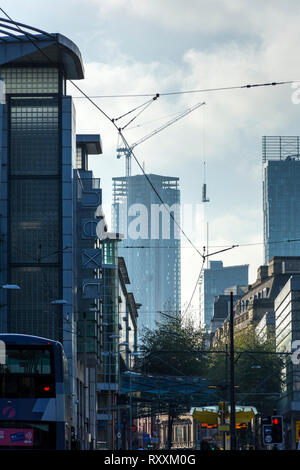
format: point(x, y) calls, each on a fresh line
point(277, 429)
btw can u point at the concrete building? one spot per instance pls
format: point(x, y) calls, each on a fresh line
point(119, 340)
point(221, 306)
point(281, 195)
point(287, 312)
point(151, 246)
point(266, 327)
point(215, 279)
point(259, 297)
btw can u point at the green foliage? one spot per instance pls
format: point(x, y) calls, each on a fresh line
point(172, 349)
point(258, 371)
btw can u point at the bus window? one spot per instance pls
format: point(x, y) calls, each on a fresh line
point(27, 373)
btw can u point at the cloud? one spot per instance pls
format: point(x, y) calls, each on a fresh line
point(249, 44)
point(233, 17)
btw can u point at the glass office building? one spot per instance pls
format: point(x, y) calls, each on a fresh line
point(42, 239)
point(281, 195)
point(151, 245)
point(38, 149)
point(214, 280)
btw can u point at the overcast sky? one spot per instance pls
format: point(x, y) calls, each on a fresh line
point(161, 46)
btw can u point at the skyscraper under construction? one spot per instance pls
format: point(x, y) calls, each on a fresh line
point(151, 244)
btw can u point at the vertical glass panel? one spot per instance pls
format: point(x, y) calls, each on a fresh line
point(31, 311)
point(34, 220)
point(30, 79)
point(34, 136)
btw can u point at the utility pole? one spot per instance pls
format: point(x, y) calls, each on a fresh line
point(232, 389)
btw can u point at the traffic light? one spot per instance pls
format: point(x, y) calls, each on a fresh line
point(267, 434)
point(277, 436)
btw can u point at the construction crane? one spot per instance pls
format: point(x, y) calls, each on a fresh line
point(127, 152)
point(204, 197)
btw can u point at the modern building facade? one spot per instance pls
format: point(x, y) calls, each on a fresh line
point(119, 340)
point(88, 283)
point(255, 309)
point(287, 336)
point(214, 280)
point(281, 195)
point(37, 190)
point(151, 245)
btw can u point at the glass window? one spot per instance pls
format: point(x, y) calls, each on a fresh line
point(34, 221)
point(27, 361)
point(30, 79)
point(31, 311)
point(34, 136)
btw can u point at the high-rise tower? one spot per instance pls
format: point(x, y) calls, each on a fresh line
point(151, 246)
point(281, 195)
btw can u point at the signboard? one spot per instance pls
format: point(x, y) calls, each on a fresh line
point(224, 427)
point(16, 437)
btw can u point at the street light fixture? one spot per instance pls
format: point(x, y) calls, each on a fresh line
point(11, 287)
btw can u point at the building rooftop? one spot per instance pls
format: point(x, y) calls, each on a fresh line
point(92, 143)
point(284, 148)
point(42, 49)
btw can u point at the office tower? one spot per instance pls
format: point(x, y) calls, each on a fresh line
point(42, 209)
point(281, 196)
point(214, 280)
point(151, 247)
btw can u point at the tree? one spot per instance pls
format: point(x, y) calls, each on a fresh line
point(258, 371)
point(172, 349)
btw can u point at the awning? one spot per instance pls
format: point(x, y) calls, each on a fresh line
point(208, 415)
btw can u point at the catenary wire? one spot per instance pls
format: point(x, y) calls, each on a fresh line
point(153, 95)
point(114, 124)
point(202, 90)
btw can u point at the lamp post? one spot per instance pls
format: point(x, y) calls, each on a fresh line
point(232, 388)
point(124, 343)
point(56, 302)
point(133, 354)
point(113, 336)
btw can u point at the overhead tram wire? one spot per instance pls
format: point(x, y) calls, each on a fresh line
point(113, 123)
point(226, 247)
point(184, 92)
point(204, 257)
point(144, 106)
point(90, 99)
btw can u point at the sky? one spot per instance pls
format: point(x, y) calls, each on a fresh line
point(132, 47)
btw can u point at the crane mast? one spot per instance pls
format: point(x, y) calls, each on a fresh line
point(128, 151)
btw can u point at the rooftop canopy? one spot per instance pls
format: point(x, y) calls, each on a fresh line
point(92, 143)
point(209, 414)
point(22, 44)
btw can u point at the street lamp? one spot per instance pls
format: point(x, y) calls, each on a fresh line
point(11, 287)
